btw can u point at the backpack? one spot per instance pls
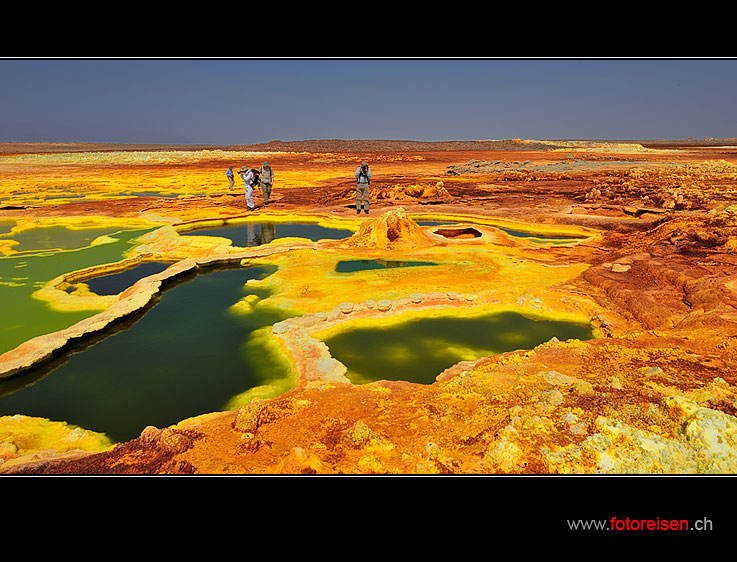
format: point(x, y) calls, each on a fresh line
point(256, 177)
point(363, 174)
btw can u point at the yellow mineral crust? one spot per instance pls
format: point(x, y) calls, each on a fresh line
point(651, 267)
point(538, 414)
point(25, 439)
point(705, 442)
point(393, 230)
point(490, 270)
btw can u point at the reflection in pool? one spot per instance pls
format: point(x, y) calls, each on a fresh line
point(187, 355)
point(349, 266)
point(246, 235)
point(419, 350)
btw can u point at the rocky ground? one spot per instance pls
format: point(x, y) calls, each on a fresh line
point(655, 393)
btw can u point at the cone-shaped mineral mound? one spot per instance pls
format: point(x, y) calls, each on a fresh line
point(392, 230)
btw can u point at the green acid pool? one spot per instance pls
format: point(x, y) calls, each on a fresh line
point(419, 350)
point(116, 283)
point(55, 238)
point(246, 235)
point(6, 226)
point(351, 266)
point(541, 238)
point(24, 317)
point(189, 354)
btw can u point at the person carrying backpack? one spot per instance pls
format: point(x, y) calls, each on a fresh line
point(267, 180)
point(363, 180)
point(248, 180)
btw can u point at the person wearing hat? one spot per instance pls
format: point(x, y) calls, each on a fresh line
point(247, 176)
point(363, 180)
point(267, 179)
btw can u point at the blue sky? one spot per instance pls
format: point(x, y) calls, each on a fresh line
point(242, 101)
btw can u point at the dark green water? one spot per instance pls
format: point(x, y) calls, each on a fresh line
point(117, 282)
point(187, 355)
point(419, 350)
point(541, 239)
point(246, 235)
point(190, 354)
point(349, 266)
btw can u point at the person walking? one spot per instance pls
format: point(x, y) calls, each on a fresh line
point(231, 178)
point(363, 180)
point(247, 176)
point(267, 180)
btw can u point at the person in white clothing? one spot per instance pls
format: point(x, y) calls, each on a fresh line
point(247, 176)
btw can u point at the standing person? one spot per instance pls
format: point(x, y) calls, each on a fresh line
point(231, 178)
point(247, 176)
point(267, 179)
point(363, 179)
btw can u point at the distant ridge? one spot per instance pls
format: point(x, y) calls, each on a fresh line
point(314, 145)
point(339, 145)
point(355, 146)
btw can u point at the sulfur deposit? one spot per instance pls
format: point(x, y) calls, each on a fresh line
point(637, 242)
point(392, 231)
